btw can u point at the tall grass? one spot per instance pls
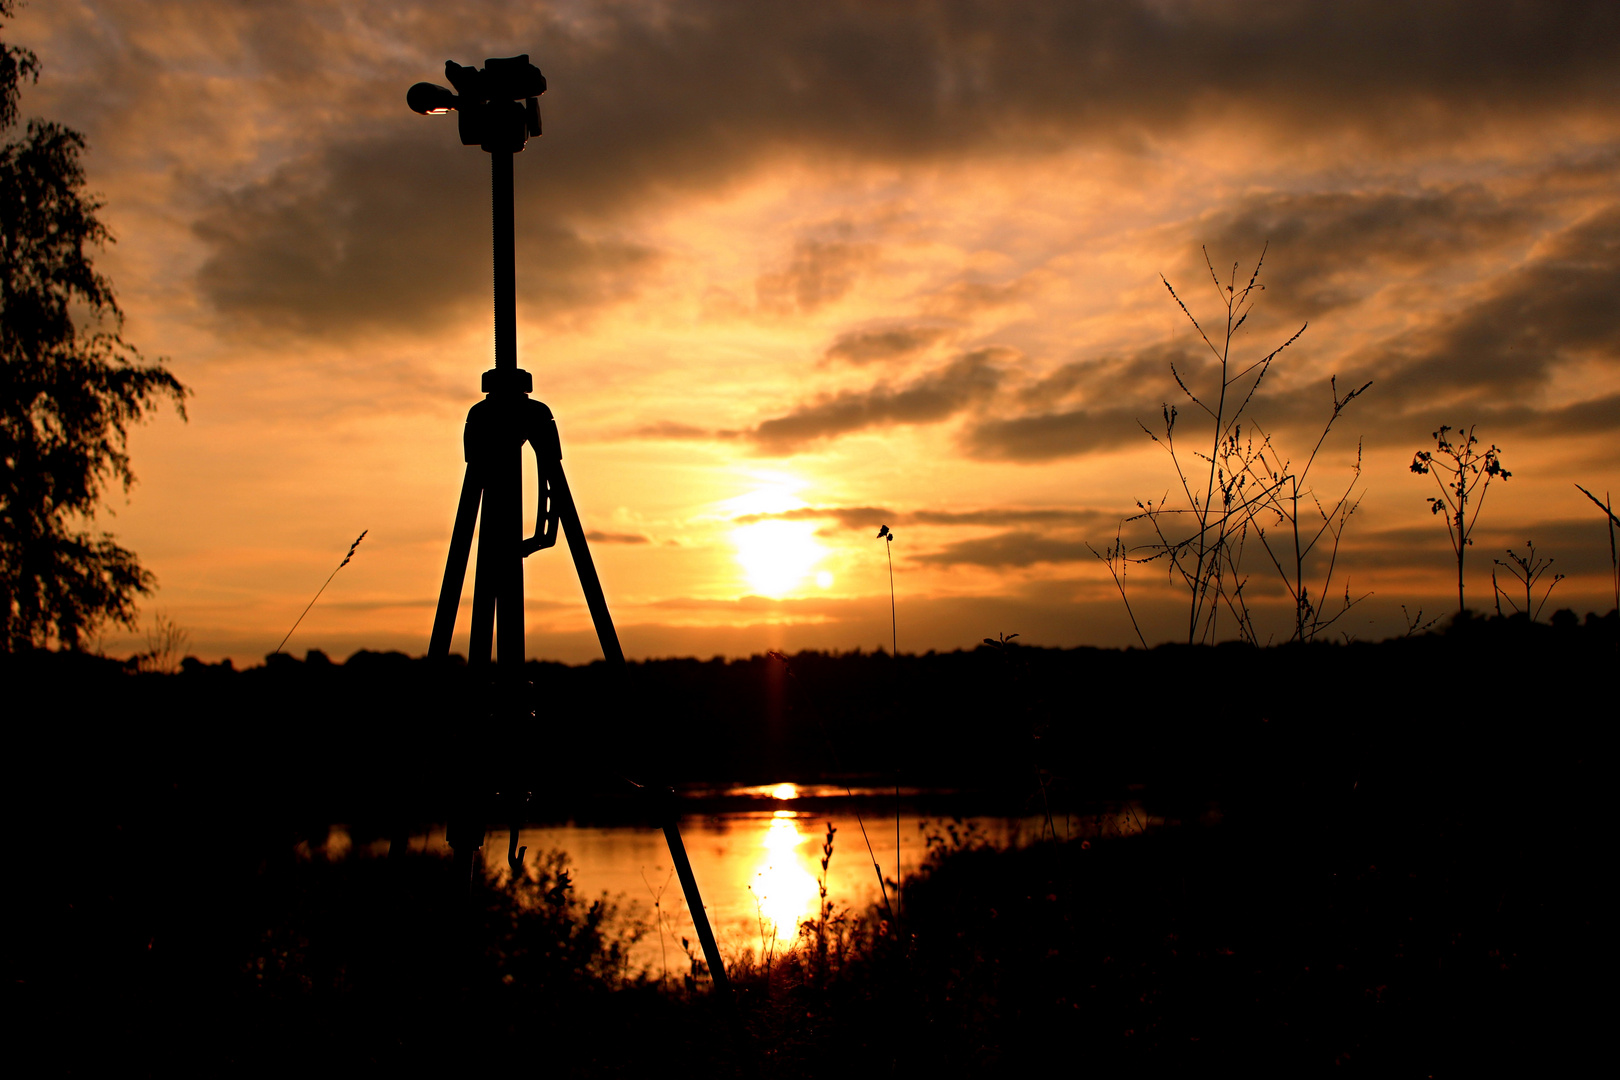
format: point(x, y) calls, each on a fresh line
point(1614, 554)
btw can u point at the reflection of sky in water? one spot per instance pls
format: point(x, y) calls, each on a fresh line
point(754, 868)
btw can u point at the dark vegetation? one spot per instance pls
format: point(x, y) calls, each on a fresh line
point(1381, 856)
point(70, 388)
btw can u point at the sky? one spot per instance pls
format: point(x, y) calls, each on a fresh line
point(789, 272)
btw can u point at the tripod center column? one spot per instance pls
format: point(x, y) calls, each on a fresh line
point(500, 166)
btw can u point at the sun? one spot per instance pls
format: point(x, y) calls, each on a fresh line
point(777, 556)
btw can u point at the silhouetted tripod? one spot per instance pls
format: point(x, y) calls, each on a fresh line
point(498, 108)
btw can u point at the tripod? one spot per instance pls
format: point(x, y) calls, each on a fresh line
point(497, 430)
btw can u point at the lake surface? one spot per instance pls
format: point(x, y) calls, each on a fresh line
point(758, 869)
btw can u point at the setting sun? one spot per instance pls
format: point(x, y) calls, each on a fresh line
point(777, 556)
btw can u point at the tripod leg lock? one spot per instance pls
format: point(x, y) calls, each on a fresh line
point(547, 519)
point(540, 432)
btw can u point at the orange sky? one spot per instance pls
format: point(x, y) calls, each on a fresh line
point(787, 272)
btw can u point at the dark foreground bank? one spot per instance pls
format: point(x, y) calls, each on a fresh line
point(1384, 859)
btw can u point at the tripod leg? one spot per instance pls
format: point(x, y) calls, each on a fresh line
point(509, 628)
point(455, 567)
point(586, 568)
point(483, 615)
point(614, 654)
point(694, 902)
point(489, 575)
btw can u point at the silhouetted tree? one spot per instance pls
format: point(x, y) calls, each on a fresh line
point(71, 385)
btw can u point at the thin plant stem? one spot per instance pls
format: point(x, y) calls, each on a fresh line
point(1607, 506)
point(322, 589)
point(894, 624)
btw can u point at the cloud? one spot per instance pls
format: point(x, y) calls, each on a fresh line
point(851, 517)
point(935, 396)
point(348, 249)
point(1048, 436)
point(1333, 248)
point(1108, 395)
point(867, 346)
point(377, 217)
point(1012, 516)
point(1009, 549)
point(616, 538)
point(1557, 307)
point(820, 272)
point(964, 299)
point(1495, 357)
point(866, 517)
point(670, 429)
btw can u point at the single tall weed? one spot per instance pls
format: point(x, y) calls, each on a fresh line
point(1464, 473)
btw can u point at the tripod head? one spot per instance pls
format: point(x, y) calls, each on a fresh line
point(497, 107)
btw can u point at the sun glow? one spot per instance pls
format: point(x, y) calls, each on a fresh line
point(777, 556)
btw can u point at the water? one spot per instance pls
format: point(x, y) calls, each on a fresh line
point(759, 870)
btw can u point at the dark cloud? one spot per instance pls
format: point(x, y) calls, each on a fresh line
point(819, 272)
point(1048, 436)
point(1577, 545)
point(670, 429)
point(1007, 517)
point(866, 517)
point(866, 346)
point(1581, 418)
point(1329, 249)
point(1143, 375)
point(380, 222)
point(1009, 549)
point(1492, 361)
point(1108, 399)
point(935, 396)
point(616, 538)
point(354, 249)
point(963, 299)
point(851, 517)
point(1557, 307)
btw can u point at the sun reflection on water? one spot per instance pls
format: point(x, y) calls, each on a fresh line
point(785, 889)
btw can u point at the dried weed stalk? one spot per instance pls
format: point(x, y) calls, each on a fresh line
point(1240, 489)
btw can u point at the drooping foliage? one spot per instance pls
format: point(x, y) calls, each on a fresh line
point(70, 386)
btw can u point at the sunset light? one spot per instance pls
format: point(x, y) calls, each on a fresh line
point(777, 556)
point(784, 885)
point(876, 394)
point(931, 301)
